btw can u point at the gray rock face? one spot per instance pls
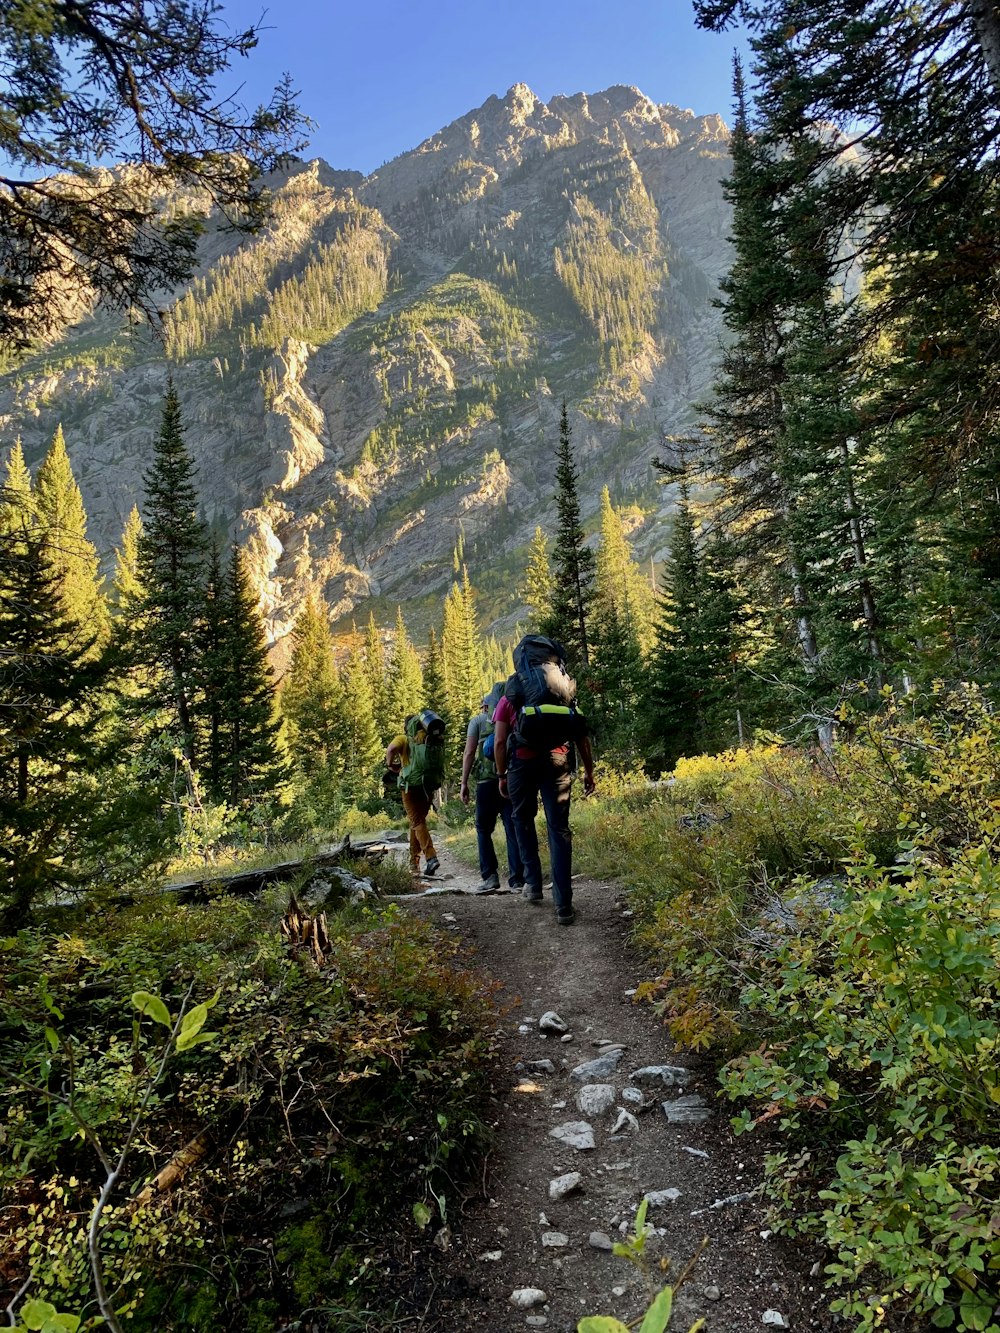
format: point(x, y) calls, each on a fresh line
point(575, 1134)
point(625, 1121)
point(593, 1071)
point(658, 1198)
point(690, 1110)
point(599, 1240)
point(563, 1185)
point(344, 450)
point(596, 1098)
point(526, 1298)
point(666, 1076)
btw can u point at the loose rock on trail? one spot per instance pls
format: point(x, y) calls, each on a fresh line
point(596, 1111)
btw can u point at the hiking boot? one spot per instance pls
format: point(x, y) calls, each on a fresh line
point(531, 893)
point(516, 883)
point(565, 916)
point(489, 885)
point(432, 866)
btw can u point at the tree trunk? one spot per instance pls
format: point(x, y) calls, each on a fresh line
point(986, 17)
point(865, 593)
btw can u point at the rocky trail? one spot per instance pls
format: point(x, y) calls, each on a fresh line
point(595, 1112)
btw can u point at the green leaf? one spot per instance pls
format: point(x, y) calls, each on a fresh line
point(68, 1322)
point(421, 1215)
point(52, 1037)
point(36, 1313)
point(183, 1042)
point(153, 1006)
point(600, 1323)
point(658, 1315)
point(976, 1312)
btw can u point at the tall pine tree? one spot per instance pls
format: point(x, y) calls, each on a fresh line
point(74, 559)
point(49, 713)
point(572, 560)
point(405, 685)
point(172, 552)
point(250, 763)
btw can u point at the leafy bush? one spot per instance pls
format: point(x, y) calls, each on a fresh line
point(862, 1021)
point(320, 1086)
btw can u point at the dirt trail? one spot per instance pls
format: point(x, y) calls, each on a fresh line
point(517, 1236)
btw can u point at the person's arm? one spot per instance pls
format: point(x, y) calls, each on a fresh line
point(393, 754)
point(468, 754)
point(587, 756)
point(500, 733)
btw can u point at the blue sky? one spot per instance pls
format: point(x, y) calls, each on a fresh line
point(378, 77)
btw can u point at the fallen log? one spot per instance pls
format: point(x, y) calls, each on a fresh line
point(175, 1169)
point(245, 883)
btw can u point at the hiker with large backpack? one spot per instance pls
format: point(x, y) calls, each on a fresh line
point(420, 756)
point(539, 733)
point(478, 763)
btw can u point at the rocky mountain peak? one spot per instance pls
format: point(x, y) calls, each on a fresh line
point(374, 380)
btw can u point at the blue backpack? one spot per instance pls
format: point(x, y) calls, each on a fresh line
point(544, 694)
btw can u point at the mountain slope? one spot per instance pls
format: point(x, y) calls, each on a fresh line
point(378, 373)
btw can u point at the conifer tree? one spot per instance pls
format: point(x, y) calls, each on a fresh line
point(49, 756)
point(435, 684)
point(74, 559)
point(759, 461)
point(311, 695)
point(16, 491)
point(537, 587)
point(171, 556)
point(620, 586)
point(210, 674)
point(572, 561)
point(462, 657)
point(250, 765)
point(405, 679)
point(363, 752)
point(127, 595)
point(374, 653)
point(693, 697)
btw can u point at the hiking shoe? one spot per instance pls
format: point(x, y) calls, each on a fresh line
point(489, 885)
point(432, 866)
point(516, 883)
point(565, 916)
point(531, 893)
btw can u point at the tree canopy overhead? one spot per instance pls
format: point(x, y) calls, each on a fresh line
point(104, 104)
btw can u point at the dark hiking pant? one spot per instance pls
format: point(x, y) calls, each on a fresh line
point(489, 806)
point(550, 778)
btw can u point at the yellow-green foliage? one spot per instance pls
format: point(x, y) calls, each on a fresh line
point(868, 1033)
point(320, 1085)
point(341, 281)
point(613, 281)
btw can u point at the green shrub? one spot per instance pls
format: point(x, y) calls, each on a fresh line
point(320, 1085)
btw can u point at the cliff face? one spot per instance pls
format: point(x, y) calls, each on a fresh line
point(379, 372)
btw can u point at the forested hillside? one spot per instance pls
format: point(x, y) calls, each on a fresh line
point(377, 373)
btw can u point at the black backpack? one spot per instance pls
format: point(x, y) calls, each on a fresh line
point(544, 694)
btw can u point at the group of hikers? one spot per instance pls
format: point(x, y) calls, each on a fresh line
point(521, 747)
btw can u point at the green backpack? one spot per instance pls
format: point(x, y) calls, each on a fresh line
point(484, 765)
point(428, 756)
